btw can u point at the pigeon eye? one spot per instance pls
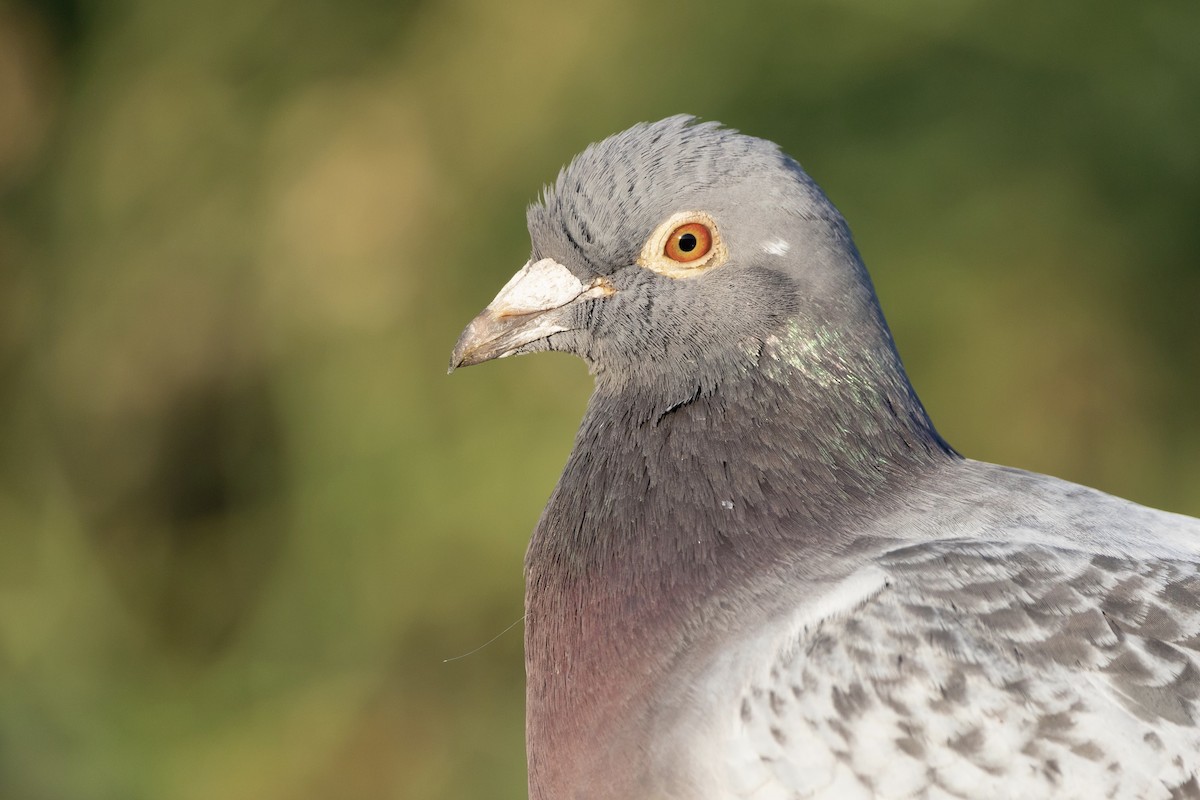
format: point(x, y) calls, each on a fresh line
point(684, 245)
point(690, 242)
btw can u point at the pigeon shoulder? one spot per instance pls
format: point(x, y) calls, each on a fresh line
point(975, 499)
point(1028, 637)
point(979, 669)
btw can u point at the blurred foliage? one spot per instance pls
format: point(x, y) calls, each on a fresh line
point(244, 516)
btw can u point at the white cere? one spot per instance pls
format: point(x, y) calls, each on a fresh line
point(776, 247)
point(727, 505)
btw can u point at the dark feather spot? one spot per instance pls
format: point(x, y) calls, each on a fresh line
point(1184, 595)
point(1054, 726)
point(955, 689)
point(911, 746)
point(970, 742)
point(1189, 790)
point(849, 703)
point(1110, 564)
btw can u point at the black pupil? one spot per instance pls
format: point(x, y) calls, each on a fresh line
point(687, 242)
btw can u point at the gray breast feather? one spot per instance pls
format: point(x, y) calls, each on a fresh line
point(985, 670)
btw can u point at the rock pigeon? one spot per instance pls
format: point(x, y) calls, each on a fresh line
point(763, 574)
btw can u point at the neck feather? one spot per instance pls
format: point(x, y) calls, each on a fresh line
point(678, 496)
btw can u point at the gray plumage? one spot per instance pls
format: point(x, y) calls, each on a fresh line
point(763, 574)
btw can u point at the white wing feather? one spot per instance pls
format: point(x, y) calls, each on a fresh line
point(972, 669)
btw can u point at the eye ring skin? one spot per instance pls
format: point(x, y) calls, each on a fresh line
point(654, 255)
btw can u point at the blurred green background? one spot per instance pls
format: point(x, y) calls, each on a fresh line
point(245, 516)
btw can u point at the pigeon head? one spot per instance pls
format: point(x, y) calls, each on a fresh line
point(678, 256)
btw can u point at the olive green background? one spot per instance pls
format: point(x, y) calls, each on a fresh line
point(244, 514)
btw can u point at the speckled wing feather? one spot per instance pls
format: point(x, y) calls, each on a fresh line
point(985, 670)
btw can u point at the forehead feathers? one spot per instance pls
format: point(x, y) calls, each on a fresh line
point(610, 198)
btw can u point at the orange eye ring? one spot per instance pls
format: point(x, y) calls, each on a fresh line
point(689, 242)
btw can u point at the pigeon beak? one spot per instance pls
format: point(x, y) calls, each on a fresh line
point(520, 313)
